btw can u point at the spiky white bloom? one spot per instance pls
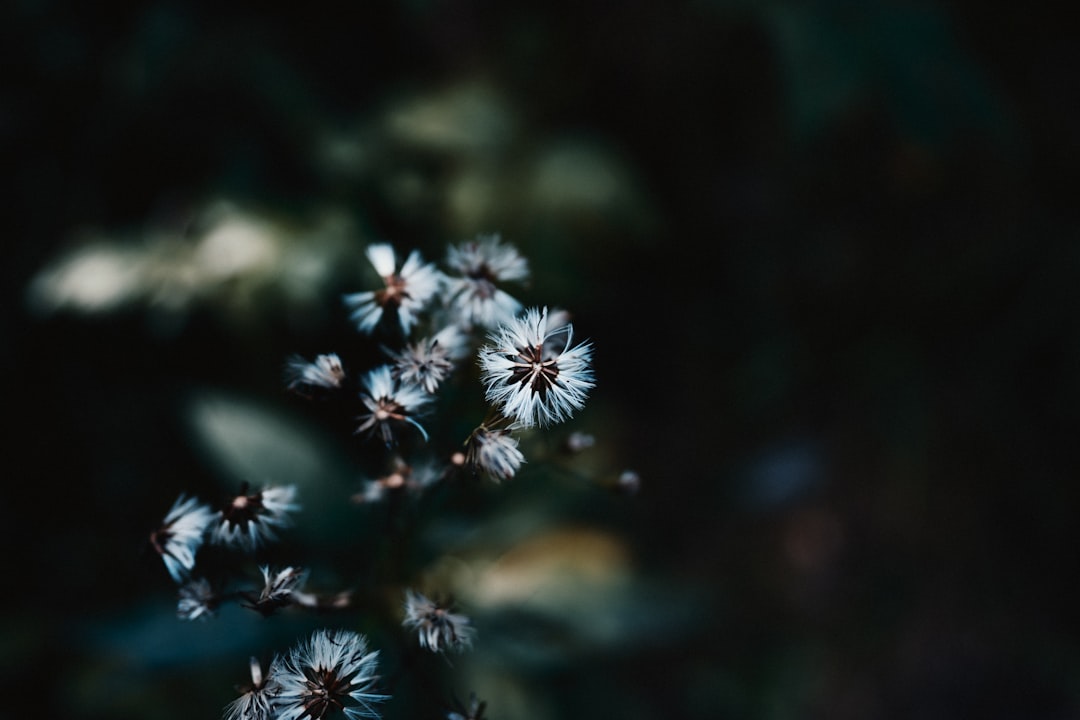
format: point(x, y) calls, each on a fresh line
point(332, 671)
point(437, 627)
point(390, 402)
point(197, 600)
point(532, 374)
point(494, 452)
point(481, 263)
point(431, 360)
point(406, 291)
point(181, 534)
point(257, 702)
point(325, 372)
point(250, 520)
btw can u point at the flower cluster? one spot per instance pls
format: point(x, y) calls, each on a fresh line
point(531, 371)
point(427, 323)
point(470, 290)
point(246, 521)
point(332, 672)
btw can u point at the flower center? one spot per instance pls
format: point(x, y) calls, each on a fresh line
point(243, 509)
point(325, 693)
point(532, 369)
point(388, 410)
point(483, 285)
point(394, 293)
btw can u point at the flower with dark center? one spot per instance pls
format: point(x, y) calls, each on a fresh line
point(406, 292)
point(532, 374)
point(247, 521)
point(390, 403)
point(180, 535)
point(438, 628)
point(330, 673)
point(474, 296)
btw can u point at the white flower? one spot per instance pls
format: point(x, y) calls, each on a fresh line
point(532, 374)
point(325, 372)
point(197, 600)
point(249, 520)
point(428, 362)
point(390, 402)
point(438, 628)
point(406, 291)
point(494, 452)
point(332, 670)
point(257, 702)
point(181, 534)
point(482, 263)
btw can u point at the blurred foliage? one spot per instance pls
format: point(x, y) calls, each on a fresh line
point(827, 252)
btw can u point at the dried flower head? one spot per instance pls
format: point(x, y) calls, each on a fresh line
point(532, 374)
point(280, 588)
point(247, 521)
point(406, 291)
point(333, 671)
point(198, 600)
point(430, 361)
point(180, 536)
point(326, 372)
point(257, 700)
point(390, 403)
point(481, 263)
point(438, 628)
point(280, 585)
point(494, 452)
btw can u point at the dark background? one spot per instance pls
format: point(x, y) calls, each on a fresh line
point(830, 271)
